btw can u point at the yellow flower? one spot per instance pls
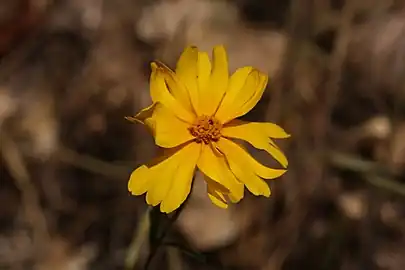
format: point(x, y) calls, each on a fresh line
point(193, 118)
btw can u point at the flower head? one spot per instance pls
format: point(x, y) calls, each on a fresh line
point(193, 117)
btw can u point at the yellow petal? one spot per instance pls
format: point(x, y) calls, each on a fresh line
point(236, 150)
point(169, 131)
point(247, 169)
point(190, 66)
point(145, 117)
point(182, 179)
point(204, 72)
point(160, 93)
point(186, 68)
point(163, 179)
point(142, 115)
point(213, 164)
point(242, 169)
point(258, 135)
point(139, 181)
point(176, 87)
point(169, 181)
point(212, 94)
point(246, 87)
point(216, 193)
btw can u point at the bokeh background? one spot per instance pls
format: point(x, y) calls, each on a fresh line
point(71, 70)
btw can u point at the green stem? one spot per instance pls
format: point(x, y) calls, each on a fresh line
point(157, 243)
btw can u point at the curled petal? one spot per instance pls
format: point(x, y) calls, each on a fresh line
point(242, 170)
point(168, 130)
point(144, 117)
point(213, 164)
point(246, 87)
point(235, 150)
point(159, 92)
point(258, 135)
point(168, 182)
point(177, 87)
point(247, 169)
point(216, 193)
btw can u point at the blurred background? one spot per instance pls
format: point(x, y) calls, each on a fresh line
point(70, 70)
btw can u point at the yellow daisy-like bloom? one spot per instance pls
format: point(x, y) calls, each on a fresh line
point(193, 118)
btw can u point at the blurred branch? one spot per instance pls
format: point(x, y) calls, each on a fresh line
point(354, 163)
point(386, 183)
point(88, 163)
point(339, 54)
point(333, 79)
point(375, 174)
point(140, 236)
point(378, 177)
point(92, 164)
point(30, 199)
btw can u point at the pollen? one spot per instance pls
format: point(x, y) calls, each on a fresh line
point(206, 129)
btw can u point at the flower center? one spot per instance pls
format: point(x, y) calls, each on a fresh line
point(206, 129)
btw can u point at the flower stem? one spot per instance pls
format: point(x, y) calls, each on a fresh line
point(156, 240)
